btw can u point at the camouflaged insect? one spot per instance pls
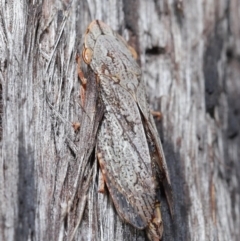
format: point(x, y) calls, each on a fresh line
point(128, 147)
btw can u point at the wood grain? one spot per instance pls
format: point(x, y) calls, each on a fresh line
point(189, 53)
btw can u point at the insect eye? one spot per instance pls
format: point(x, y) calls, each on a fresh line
point(87, 55)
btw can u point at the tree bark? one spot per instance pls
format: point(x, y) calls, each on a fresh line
point(189, 52)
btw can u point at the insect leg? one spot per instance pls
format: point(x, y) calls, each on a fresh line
point(157, 114)
point(101, 182)
point(82, 78)
point(155, 227)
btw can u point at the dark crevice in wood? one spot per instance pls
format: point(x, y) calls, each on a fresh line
point(26, 192)
point(210, 68)
point(233, 118)
point(131, 14)
point(179, 11)
point(176, 227)
point(231, 55)
point(155, 50)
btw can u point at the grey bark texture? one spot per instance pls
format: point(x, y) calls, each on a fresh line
point(189, 52)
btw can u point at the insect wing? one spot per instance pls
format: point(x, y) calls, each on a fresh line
point(151, 127)
point(125, 159)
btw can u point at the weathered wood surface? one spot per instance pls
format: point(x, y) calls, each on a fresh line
point(189, 52)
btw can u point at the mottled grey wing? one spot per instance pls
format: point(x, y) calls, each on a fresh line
point(125, 159)
point(150, 125)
